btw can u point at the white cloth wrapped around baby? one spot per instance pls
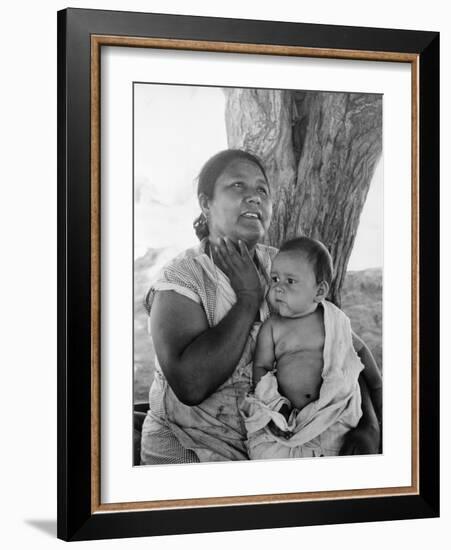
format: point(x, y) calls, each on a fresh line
point(319, 428)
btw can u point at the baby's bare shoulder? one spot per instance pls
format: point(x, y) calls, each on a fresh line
point(275, 320)
point(278, 325)
point(271, 323)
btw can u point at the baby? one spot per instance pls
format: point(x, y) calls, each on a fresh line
point(305, 371)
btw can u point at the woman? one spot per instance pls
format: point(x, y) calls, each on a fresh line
point(205, 312)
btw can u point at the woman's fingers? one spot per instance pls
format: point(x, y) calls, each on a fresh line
point(356, 443)
point(225, 259)
point(230, 254)
point(239, 252)
point(244, 251)
point(235, 261)
point(222, 258)
point(233, 253)
point(222, 248)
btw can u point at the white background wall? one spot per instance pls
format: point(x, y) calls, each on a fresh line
point(28, 271)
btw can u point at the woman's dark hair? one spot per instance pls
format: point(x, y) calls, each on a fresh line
point(315, 253)
point(209, 174)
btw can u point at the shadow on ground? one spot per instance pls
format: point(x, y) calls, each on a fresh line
point(47, 526)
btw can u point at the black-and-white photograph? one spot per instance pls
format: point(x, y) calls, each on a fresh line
point(258, 255)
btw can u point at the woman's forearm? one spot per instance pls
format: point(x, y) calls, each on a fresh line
point(368, 421)
point(373, 379)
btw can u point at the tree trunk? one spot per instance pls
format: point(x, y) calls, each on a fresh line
point(320, 150)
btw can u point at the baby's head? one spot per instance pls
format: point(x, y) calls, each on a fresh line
point(301, 276)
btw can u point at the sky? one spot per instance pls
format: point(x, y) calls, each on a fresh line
point(177, 128)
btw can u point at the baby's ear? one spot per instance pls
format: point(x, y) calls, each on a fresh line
point(322, 291)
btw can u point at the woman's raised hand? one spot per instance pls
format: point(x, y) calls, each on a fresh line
point(239, 267)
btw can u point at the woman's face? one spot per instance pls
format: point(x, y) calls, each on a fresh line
point(241, 206)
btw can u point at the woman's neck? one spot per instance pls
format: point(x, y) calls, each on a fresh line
point(212, 240)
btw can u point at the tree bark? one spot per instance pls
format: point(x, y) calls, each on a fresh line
point(260, 121)
point(320, 150)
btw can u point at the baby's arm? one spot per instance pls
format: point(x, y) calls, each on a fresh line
point(264, 362)
point(371, 374)
point(264, 353)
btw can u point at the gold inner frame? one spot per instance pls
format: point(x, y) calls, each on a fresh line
point(97, 41)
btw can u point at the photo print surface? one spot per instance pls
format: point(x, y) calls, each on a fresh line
point(293, 219)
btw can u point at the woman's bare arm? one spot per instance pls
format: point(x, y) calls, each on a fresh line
point(195, 358)
point(372, 374)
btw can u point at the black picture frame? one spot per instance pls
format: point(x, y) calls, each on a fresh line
point(78, 518)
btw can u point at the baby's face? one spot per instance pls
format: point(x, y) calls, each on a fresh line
point(293, 289)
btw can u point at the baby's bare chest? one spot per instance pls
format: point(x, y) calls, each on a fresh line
point(299, 346)
point(298, 336)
